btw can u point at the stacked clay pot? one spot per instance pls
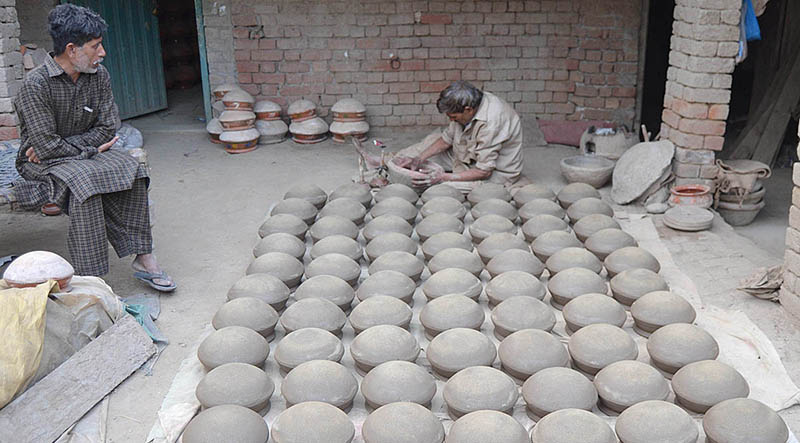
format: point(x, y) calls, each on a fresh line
point(238, 122)
point(349, 119)
point(269, 123)
point(306, 127)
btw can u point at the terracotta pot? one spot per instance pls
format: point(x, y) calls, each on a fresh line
point(691, 195)
point(237, 142)
point(237, 120)
point(348, 110)
point(267, 110)
point(238, 100)
point(302, 110)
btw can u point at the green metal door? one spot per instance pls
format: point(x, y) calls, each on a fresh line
point(134, 54)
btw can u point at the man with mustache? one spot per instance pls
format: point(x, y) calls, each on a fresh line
point(67, 124)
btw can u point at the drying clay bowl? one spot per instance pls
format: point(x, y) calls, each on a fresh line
point(487, 190)
point(592, 223)
point(309, 192)
point(529, 351)
point(329, 287)
point(385, 224)
point(659, 308)
point(444, 240)
point(442, 190)
point(743, 420)
point(628, 286)
point(494, 206)
point(344, 207)
point(223, 89)
point(542, 223)
point(589, 309)
point(312, 422)
point(515, 260)
point(513, 284)
point(456, 258)
point(337, 244)
point(754, 196)
point(604, 242)
point(630, 257)
point(572, 425)
point(437, 223)
point(391, 241)
point(287, 268)
point(551, 242)
point(280, 242)
point(495, 244)
point(296, 206)
point(313, 313)
point(588, 206)
point(573, 257)
point(249, 312)
point(575, 191)
point(518, 313)
point(235, 384)
point(236, 120)
point(238, 99)
point(479, 388)
point(459, 348)
point(395, 206)
point(674, 346)
point(402, 423)
point(320, 380)
point(737, 215)
point(358, 192)
point(309, 131)
point(233, 344)
point(333, 225)
point(341, 130)
point(453, 281)
point(532, 191)
point(574, 282)
point(449, 312)
point(397, 190)
point(596, 346)
point(383, 343)
point(700, 385)
point(556, 388)
point(305, 345)
point(267, 110)
point(389, 283)
point(490, 224)
point(592, 170)
point(226, 423)
point(656, 421)
point(541, 206)
point(446, 205)
point(400, 261)
point(380, 310)
point(287, 223)
point(622, 384)
point(36, 267)
point(406, 176)
point(262, 286)
point(396, 381)
point(487, 426)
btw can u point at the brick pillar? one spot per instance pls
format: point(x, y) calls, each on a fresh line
point(704, 45)
point(790, 291)
point(11, 69)
point(219, 42)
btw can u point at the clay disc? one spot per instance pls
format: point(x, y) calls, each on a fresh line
point(298, 207)
point(628, 286)
point(700, 385)
point(287, 268)
point(226, 423)
point(444, 205)
point(395, 381)
point(513, 284)
point(494, 206)
point(515, 260)
point(312, 422)
point(572, 283)
point(496, 243)
point(518, 313)
point(346, 208)
point(533, 191)
point(356, 191)
point(453, 281)
point(589, 309)
point(743, 420)
point(395, 206)
point(444, 240)
point(624, 383)
point(248, 312)
point(456, 258)
point(402, 423)
point(235, 384)
point(460, 348)
point(551, 242)
point(528, 351)
point(592, 223)
point(313, 313)
point(664, 422)
point(337, 244)
point(588, 206)
point(556, 388)
point(656, 309)
point(487, 190)
point(390, 241)
point(400, 261)
point(450, 311)
point(280, 242)
point(320, 380)
point(309, 192)
point(380, 310)
point(262, 286)
point(573, 257)
point(541, 206)
point(573, 192)
point(572, 425)
point(333, 225)
point(674, 346)
point(286, 223)
point(305, 345)
point(437, 223)
point(397, 190)
point(389, 283)
point(487, 426)
point(384, 224)
point(596, 346)
point(479, 388)
point(539, 224)
point(490, 224)
point(442, 190)
point(329, 287)
point(604, 242)
point(630, 257)
point(383, 343)
point(233, 344)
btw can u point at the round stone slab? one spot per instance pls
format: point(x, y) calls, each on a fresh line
point(402, 423)
point(389, 283)
point(383, 343)
point(593, 223)
point(630, 179)
point(604, 242)
point(356, 191)
point(384, 224)
point(460, 348)
point(487, 190)
point(396, 381)
point(487, 426)
point(528, 351)
point(444, 240)
point(572, 425)
point(400, 261)
point(437, 223)
point(494, 206)
point(380, 310)
point(456, 258)
point(286, 223)
point(541, 206)
point(287, 268)
point(333, 225)
point(700, 385)
point(533, 191)
point(329, 287)
point(453, 281)
point(344, 207)
point(518, 313)
point(588, 206)
point(556, 388)
point(688, 218)
point(313, 313)
point(444, 205)
point(575, 191)
point(397, 190)
point(589, 309)
point(226, 423)
point(539, 224)
point(490, 224)
point(280, 242)
point(628, 286)
point(515, 260)
point(573, 257)
point(622, 384)
point(249, 312)
point(479, 388)
point(261, 286)
point(395, 206)
point(496, 243)
point(235, 384)
point(630, 257)
point(572, 283)
point(656, 421)
point(305, 345)
point(312, 422)
point(450, 311)
point(320, 380)
point(233, 344)
point(337, 244)
point(551, 242)
point(674, 346)
point(513, 284)
point(390, 241)
point(442, 190)
point(743, 420)
point(298, 207)
point(309, 192)
point(660, 308)
point(596, 346)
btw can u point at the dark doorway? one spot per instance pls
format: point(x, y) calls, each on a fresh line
point(659, 31)
point(179, 48)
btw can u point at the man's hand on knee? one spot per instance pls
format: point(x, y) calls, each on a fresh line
point(32, 157)
point(106, 146)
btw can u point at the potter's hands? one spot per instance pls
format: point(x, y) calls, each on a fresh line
point(412, 163)
point(106, 146)
point(431, 177)
point(32, 157)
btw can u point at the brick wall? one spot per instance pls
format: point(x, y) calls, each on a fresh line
point(219, 42)
point(11, 70)
point(553, 59)
point(790, 290)
point(702, 58)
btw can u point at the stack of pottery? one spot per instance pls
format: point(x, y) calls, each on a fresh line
point(741, 210)
point(217, 107)
point(269, 123)
point(306, 127)
point(349, 118)
point(237, 120)
point(214, 129)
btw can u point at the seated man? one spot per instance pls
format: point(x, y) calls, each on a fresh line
point(482, 143)
point(67, 123)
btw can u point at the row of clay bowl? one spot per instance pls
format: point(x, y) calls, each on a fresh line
point(316, 384)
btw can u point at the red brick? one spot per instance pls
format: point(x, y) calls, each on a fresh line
point(670, 118)
point(433, 86)
point(8, 120)
point(718, 112)
point(244, 20)
point(241, 32)
point(241, 43)
point(372, 43)
point(713, 143)
point(8, 133)
point(267, 44)
point(241, 54)
point(294, 67)
point(624, 92)
point(269, 78)
point(244, 66)
point(245, 77)
point(689, 110)
point(440, 19)
point(585, 91)
point(315, 54)
point(702, 127)
point(267, 54)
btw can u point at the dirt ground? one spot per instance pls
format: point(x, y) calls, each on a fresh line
point(209, 205)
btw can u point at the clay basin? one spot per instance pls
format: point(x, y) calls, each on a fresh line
point(405, 176)
point(691, 195)
point(737, 215)
point(589, 169)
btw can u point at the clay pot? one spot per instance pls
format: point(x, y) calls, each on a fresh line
point(337, 244)
point(380, 310)
point(272, 131)
point(674, 346)
point(741, 420)
point(248, 312)
point(36, 267)
point(267, 111)
point(573, 257)
point(593, 308)
point(442, 190)
point(333, 225)
point(673, 424)
point(238, 100)
point(313, 313)
point(691, 195)
point(497, 243)
point(287, 223)
point(348, 110)
point(484, 426)
point(356, 191)
point(237, 120)
point(400, 261)
point(592, 170)
point(593, 223)
point(309, 192)
point(239, 142)
point(438, 223)
point(490, 224)
point(487, 190)
point(346, 208)
point(214, 129)
point(630, 257)
point(528, 351)
point(398, 381)
point(575, 191)
point(449, 312)
point(385, 224)
point(515, 260)
point(307, 344)
point(234, 422)
point(594, 347)
point(233, 344)
point(755, 196)
point(453, 281)
point(389, 283)
point(539, 224)
point(280, 242)
point(656, 309)
point(624, 383)
point(604, 242)
point(700, 385)
point(556, 388)
point(459, 348)
point(572, 425)
point(551, 242)
point(395, 206)
point(235, 384)
point(398, 421)
point(287, 268)
point(444, 240)
point(320, 380)
point(406, 176)
point(312, 421)
point(531, 192)
point(328, 287)
point(628, 286)
point(518, 313)
point(341, 130)
point(479, 388)
point(223, 89)
point(456, 258)
point(302, 110)
point(588, 206)
point(397, 190)
point(514, 284)
point(739, 215)
point(445, 205)
point(297, 206)
point(574, 282)
point(383, 343)
point(261, 286)
point(494, 206)
point(688, 218)
point(391, 241)
point(541, 206)
point(310, 131)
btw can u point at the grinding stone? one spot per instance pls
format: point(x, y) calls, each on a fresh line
point(573, 257)
point(395, 206)
point(389, 283)
point(487, 190)
point(283, 266)
point(442, 190)
point(513, 284)
point(402, 423)
point(533, 191)
point(397, 190)
point(589, 309)
point(656, 421)
point(517, 313)
point(494, 206)
point(541, 206)
point(490, 224)
point(556, 388)
point(588, 225)
point(539, 224)
point(226, 423)
point(390, 241)
point(479, 388)
point(235, 384)
point(551, 242)
point(497, 243)
point(452, 281)
point(320, 380)
point(456, 258)
point(486, 427)
point(604, 242)
point(395, 381)
point(286, 223)
point(528, 351)
point(329, 287)
point(628, 286)
point(309, 192)
point(305, 345)
point(384, 224)
point(624, 383)
point(380, 310)
point(346, 208)
point(444, 240)
point(460, 348)
point(233, 344)
point(674, 346)
point(298, 207)
point(262, 286)
point(572, 283)
point(743, 420)
point(333, 225)
point(588, 206)
point(596, 346)
point(700, 385)
point(444, 205)
point(515, 260)
point(572, 425)
point(338, 244)
point(575, 191)
point(660, 308)
point(630, 257)
point(337, 265)
point(630, 179)
point(437, 223)
point(313, 313)
point(400, 261)
point(357, 191)
point(450, 311)
point(249, 312)
point(383, 343)
point(312, 422)
point(280, 242)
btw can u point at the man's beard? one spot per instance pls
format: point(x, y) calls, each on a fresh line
point(84, 66)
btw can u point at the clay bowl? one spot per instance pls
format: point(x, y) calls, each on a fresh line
point(386, 224)
point(389, 422)
point(240, 141)
point(337, 244)
point(344, 207)
point(512, 284)
point(287, 223)
point(400, 261)
point(391, 241)
point(333, 225)
point(691, 195)
point(490, 224)
point(741, 420)
point(383, 343)
point(456, 258)
point(310, 131)
point(389, 283)
point(449, 312)
point(593, 308)
point(307, 344)
point(628, 286)
point(494, 206)
point(487, 190)
point(337, 265)
point(551, 242)
point(267, 110)
point(574, 282)
point(380, 310)
point(624, 383)
point(214, 129)
point(36, 267)
point(604, 242)
point(446, 205)
point(301, 110)
point(540, 206)
point(532, 191)
point(630, 257)
point(460, 348)
point(656, 420)
point(297, 206)
point(315, 313)
point(572, 425)
point(592, 170)
point(228, 422)
point(515, 260)
point(539, 224)
point(442, 190)
point(261, 286)
point(233, 344)
point(237, 120)
point(437, 223)
point(479, 388)
point(529, 351)
point(753, 197)
point(556, 388)
point(587, 206)
point(320, 380)
point(444, 240)
point(329, 287)
point(575, 191)
point(248, 312)
point(395, 206)
point(453, 281)
point(238, 100)
point(737, 215)
point(700, 385)
point(487, 426)
point(596, 346)
point(235, 384)
point(348, 110)
point(495, 244)
point(312, 421)
point(358, 192)
point(405, 176)
point(223, 89)
point(308, 192)
point(674, 346)
point(287, 268)
point(573, 257)
point(518, 313)
point(660, 308)
point(341, 130)
point(398, 381)
point(397, 190)
point(590, 224)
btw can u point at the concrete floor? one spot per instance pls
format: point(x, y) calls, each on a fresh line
point(209, 205)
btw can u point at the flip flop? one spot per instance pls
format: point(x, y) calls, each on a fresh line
point(149, 277)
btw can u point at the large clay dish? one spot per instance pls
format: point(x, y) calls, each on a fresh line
point(589, 169)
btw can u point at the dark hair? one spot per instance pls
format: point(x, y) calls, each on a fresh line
point(74, 24)
point(458, 96)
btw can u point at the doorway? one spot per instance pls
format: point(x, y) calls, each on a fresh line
point(659, 31)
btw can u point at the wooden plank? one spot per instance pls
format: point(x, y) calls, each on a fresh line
point(770, 142)
point(52, 405)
